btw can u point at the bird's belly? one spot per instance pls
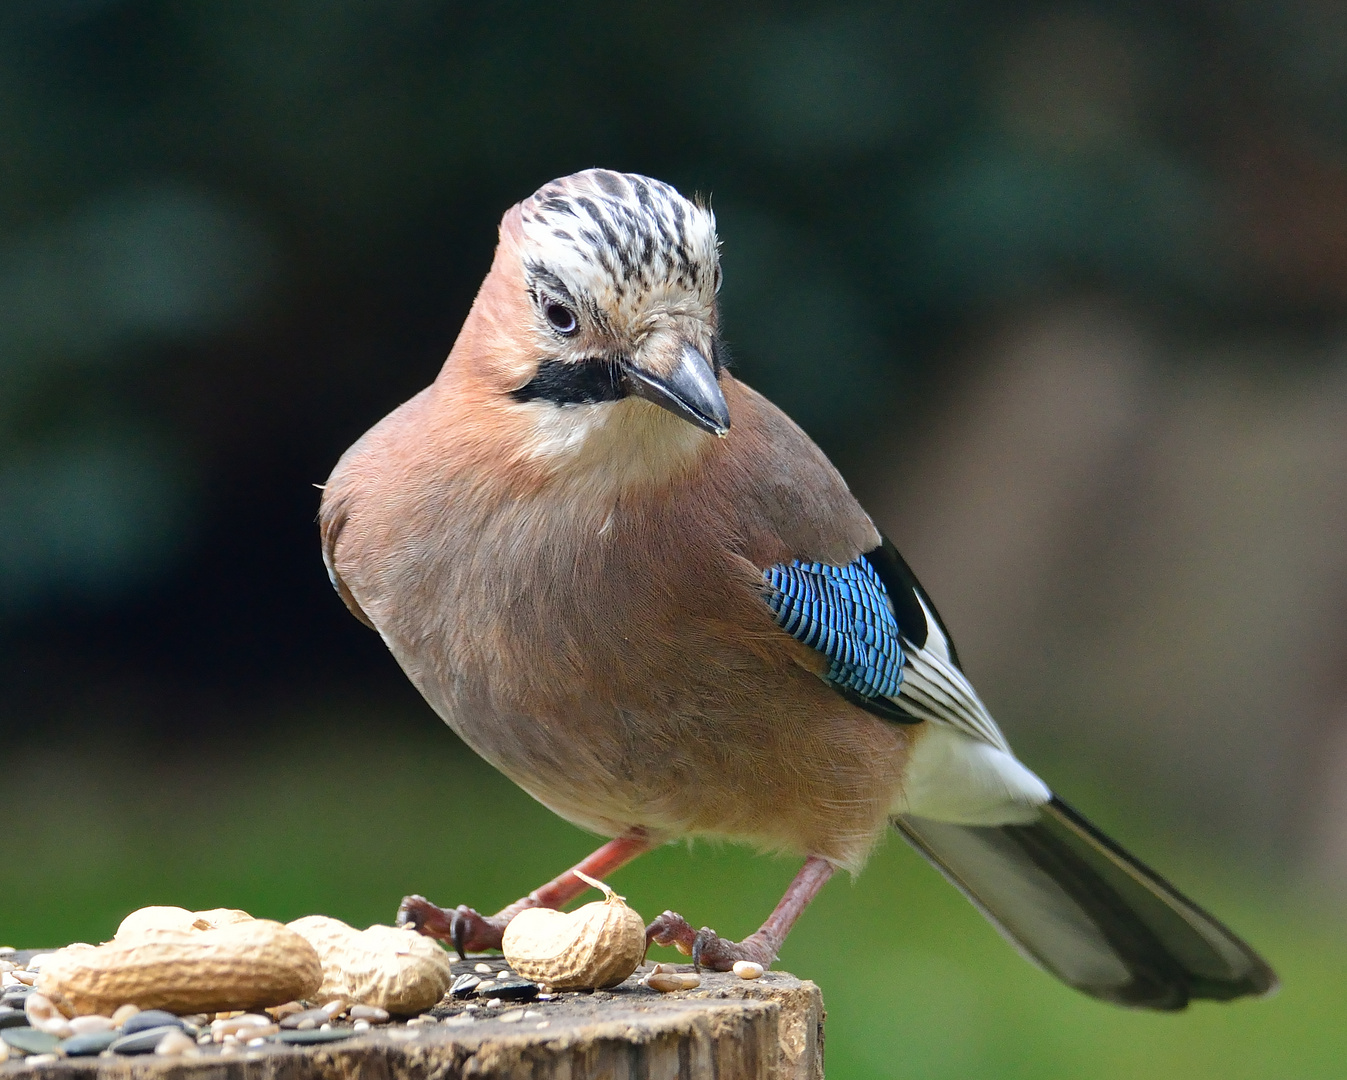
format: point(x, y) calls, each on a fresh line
point(625, 684)
point(786, 768)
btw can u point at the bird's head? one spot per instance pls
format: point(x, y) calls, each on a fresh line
point(601, 305)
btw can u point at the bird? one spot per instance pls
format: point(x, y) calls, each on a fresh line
point(639, 590)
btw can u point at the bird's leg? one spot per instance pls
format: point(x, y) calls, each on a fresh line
point(470, 931)
point(706, 948)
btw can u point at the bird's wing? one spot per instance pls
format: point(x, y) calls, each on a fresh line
point(886, 647)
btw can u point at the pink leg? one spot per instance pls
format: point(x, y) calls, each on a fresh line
point(472, 932)
point(762, 946)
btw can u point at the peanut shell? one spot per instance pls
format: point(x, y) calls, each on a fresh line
point(163, 917)
point(247, 965)
point(595, 946)
point(398, 971)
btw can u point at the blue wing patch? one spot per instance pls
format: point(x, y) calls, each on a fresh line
point(844, 613)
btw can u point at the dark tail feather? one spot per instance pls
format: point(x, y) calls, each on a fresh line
point(1083, 909)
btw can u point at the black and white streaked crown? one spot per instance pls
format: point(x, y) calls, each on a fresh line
point(621, 241)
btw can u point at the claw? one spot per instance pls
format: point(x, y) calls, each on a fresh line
point(462, 926)
point(458, 929)
point(406, 915)
point(707, 948)
point(705, 936)
point(671, 928)
point(427, 918)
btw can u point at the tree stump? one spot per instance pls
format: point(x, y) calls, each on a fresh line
point(770, 1028)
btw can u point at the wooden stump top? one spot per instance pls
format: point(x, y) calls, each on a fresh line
point(770, 1028)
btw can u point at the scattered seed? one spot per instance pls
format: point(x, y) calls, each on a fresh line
point(303, 1021)
point(280, 1012)
point(150, 1018)
point(123, 1013)
point(305, 1038)
point(511, 1017)
point(45, 1016)
point(246, 1025)
point(511, 990)
point(88, 1045)
point(532, 1014)
point(257, 1042)
point(7, 950)
point(27, 1040)
point(485, 969)
point(665, 984)
point(143, 1042)
point(691, 980)
point(372, 1013)
point(88, 1025)
point(493, 1003)
point(747, 969)
point(545, 1023)
point(361, 1025)
point(25, 977)
point(41, 1059)
point(175, 1044)
point(334, 1008)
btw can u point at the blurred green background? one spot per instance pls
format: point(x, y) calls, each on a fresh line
point(1061, 286)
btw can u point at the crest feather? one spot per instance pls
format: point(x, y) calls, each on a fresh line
point(620, 239)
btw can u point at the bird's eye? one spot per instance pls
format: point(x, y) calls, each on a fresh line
point(562, 318)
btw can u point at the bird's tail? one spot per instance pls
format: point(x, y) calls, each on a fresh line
point(1083, 909)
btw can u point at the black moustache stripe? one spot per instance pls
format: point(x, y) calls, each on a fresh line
point(582, 382)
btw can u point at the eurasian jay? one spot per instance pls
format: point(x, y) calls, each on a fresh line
point(637, 588)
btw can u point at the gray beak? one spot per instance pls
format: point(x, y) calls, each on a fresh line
point(689, 390)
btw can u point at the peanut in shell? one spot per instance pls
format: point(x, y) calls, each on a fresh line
point(148, 920)
point(595, 946)
point(247, 965)
point(396, 970)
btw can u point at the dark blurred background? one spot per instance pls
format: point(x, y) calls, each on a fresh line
point(1062, 288)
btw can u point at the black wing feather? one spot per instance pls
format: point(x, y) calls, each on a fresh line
point(1082, 908)
point(904, 589)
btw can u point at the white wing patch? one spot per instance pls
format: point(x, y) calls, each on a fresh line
point(953, 777)
point(961, 768)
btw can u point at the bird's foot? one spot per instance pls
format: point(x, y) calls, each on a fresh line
point(705, 946)
point(467, 930)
